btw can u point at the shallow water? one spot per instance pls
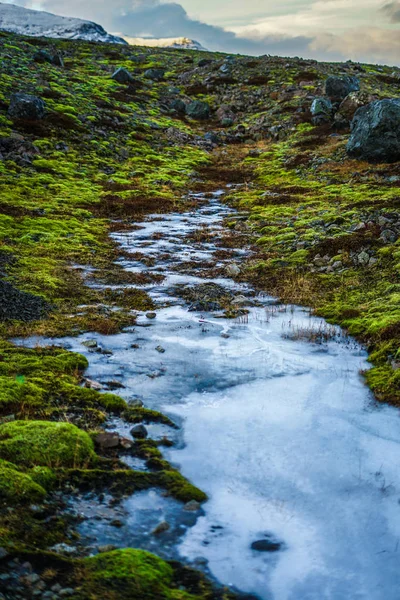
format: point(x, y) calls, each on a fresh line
point(281, 433)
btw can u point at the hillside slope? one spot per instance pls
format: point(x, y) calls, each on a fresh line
point(104, 134)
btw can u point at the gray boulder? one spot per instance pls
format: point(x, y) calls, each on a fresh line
point(337, 88)
point(25, 107)
point(154, 74)
point(121, 75)
point(375, 132)
point(351, 104)
point(139, 432)
point(198, 110)
point(321, 111)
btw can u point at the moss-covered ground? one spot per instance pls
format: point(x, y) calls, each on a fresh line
point(104, 155)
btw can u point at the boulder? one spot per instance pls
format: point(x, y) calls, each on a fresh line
point(375, 132)
point(268, 544)
point(107, 440)
point(42, 56)
point(198, 110)
point(337, 88)
point(177, 105)
point(123, 76)
point(351, 104)
point(321, 111)
point(26, 107)
point(154, 74)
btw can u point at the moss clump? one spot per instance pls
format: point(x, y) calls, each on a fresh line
point(180, 488)
point(33, 443)
point(18, 487)
point(126, 574)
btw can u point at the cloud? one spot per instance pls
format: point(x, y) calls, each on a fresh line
point(392, 10)
point(322, 29)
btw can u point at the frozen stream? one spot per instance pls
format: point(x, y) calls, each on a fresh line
point(281, 433)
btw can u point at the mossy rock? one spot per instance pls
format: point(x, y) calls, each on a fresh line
point(32, 443)
point(126, 574)
point(18, 487)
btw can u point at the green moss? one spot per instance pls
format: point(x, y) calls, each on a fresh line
point(32, 443)
point(130, 574)
point(17, 487)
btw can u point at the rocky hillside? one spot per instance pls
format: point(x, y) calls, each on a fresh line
point(37, 23)
point(94, 136)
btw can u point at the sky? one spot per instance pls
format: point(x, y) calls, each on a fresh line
point(360, 30)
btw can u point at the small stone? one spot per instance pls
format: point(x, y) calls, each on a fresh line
point(106, 548)
point(66, 592)
point(92, 343)
point(116, 523)
point(388, 236)
point(125, 443)
point(32, 578)
point(114, 385)
point(64, 549)
point(93, 385)
point(107, 439)
point(154, 74)
point(161, 528)
point(232, 270)
point(337, 264)
point(160, 349)
point(198, 110)
point(363, 258)
point(56, 588)
point(139, 432)
point(372, 262)
point(151, 315)
point(136, 403)
point(192, 506)
point(3, 553)
point(268, 544)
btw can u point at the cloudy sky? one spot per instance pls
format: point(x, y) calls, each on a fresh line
point(366, 30)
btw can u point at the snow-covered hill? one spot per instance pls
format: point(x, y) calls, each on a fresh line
point(37, 23)
point(182, 43)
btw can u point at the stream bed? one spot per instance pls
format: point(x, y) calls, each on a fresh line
point(276, 426)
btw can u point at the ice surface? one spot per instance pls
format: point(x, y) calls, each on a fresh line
point(282, 434)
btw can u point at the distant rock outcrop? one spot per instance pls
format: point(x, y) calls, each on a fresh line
point(182, 43)
point(36, 23)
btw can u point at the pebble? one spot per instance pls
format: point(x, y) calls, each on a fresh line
point(192, 506)
point(139, 432)
point(160, 349)
point(151, 315)
point(161, 528)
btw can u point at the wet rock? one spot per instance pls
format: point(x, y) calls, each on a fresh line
point(107, 440)
point(139, 432)
point(192, 506)
point(136, 403)
point(26, 107)
point(123, 76)
point(177, 105)
point(375, 132)
point(321, 111)
point(154, 74)
point(114, 385)
point(160, 349)
point(125, 443)
point(116, 523)
point(198, 110)
point(92, 343)
point(93, 385)
point(337, 88)
point(363, 258)
point(151, 315)
point(268, 544)
point(161, 528)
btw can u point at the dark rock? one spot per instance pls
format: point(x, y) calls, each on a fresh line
point(375, 132)
point(151, 315)
point(139, 432)
point(25, 107)
point(161, 528)
point(107, 440)
point(204, 62)
point(42, 56)
point(117, 523)
point(154, 74)
point(20, 306)
point(337, 88)
point(177, 105)
point(268, 544)
point(192, 506)
point(321, 111)
point(198, 110)
point(123, 76)
point(57, 60)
